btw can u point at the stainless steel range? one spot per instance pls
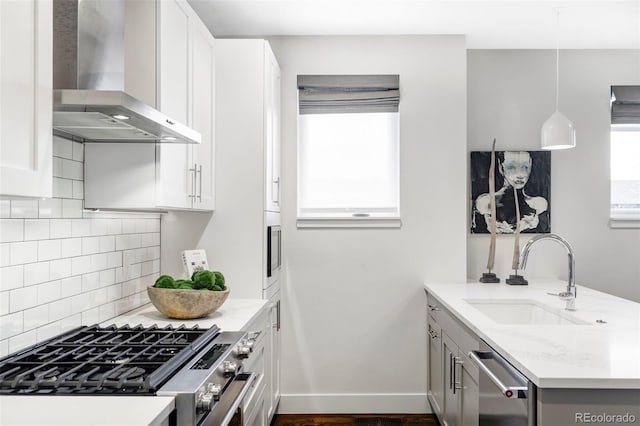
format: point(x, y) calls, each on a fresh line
point(201, 368)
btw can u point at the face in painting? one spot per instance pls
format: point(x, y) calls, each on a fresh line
point(516, 168)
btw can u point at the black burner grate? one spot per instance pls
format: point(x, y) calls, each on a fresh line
point(102, 360)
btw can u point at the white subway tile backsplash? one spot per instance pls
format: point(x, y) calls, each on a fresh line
point(60, 268)
point(5, 209)
point(107, 277)
point(81, 227)
point(57, 167)
point(23, 252)
point(114, 260)
point(22, 341)
point(36, 229)
point(50, 207)
point(23, 209)
point(107, 243)
point(90, 281)
point(72, 169)
point(99, 262)
point(99, 226)
point(78, 189)
point(5, 254)
point(128, 226)
point(48, 331)
point(80, 302)
point(60, 309)
point(91, 316)
point(107, 311)
point(36, 273)
point(11, 230)
point(80, 265)
point(71, 286)
point(71, 247)
point(11, 277)
point(62, 188)
point(60, 228)
point(35, 317)
point(22, 298)
point(78, 151)
point(90, 245)
point(114, 226)
point(49, 249)
point(11, 324)
point(4, 303)
point(48, 292)
point(71, 208)
point(63, 148)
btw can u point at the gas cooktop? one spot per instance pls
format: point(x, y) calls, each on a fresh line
point(103, 360)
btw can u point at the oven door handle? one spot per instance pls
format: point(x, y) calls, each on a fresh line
point(232, 397)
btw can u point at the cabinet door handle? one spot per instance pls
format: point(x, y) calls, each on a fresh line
point(450, 370)
point(433, 307)
point(456, 383)
point(276, 198)
point(192, 193)
point(200, 193)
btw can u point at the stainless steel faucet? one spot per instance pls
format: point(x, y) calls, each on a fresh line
point(570, 294)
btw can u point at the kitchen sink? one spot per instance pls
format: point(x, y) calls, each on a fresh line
point(519, 311)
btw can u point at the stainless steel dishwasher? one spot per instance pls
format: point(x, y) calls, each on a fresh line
point(507, 398)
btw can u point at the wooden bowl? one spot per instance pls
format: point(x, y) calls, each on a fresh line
point(186, 304)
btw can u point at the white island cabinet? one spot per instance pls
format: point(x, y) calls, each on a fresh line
point(26, 87)
point(584, 364)
point(178, 78)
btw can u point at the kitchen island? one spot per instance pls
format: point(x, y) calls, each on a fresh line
point(581, 361)
point(38, 410)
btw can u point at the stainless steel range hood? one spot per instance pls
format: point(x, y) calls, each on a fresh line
point(89, 102)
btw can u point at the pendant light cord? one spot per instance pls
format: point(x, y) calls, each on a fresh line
point(557, 58)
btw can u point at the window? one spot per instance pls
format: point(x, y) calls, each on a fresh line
point(348, 151)
point(625, 156)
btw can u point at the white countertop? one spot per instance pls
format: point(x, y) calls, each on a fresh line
point(84, 410)
point(592, 355)
point(23, 410)
point(233, 315)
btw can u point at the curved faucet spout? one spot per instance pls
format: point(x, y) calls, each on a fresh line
point(571, 286)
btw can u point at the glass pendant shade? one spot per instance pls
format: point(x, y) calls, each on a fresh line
point(557, 132)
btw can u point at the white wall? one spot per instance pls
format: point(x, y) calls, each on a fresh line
point(62, 267)
point(353, 305)
point(510, 94)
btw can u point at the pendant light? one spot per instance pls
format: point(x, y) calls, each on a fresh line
point(558, 131)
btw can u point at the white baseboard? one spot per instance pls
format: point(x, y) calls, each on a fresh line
point(377, 403)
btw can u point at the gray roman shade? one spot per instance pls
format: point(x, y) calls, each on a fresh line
point(337, 94)
point(625, 104)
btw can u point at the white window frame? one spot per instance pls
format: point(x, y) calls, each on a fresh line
point(350, 218)
point(623, 217)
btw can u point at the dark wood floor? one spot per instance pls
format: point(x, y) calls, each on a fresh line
point(354, 419)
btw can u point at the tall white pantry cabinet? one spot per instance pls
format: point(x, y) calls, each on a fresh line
point(248, 181)
point(178, 78)
point(26, 87)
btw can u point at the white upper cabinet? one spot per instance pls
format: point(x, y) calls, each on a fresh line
point(26, 84)
point(202, 159)
point(248, 99)
point(180, 82)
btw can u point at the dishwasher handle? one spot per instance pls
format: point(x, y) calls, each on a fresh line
point(520, 391)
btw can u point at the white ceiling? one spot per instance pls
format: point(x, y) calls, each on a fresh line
point(502, 24)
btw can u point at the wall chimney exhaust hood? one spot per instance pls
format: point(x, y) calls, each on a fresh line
point(89, 102)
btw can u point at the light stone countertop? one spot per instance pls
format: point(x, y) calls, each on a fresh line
point(592, 355)
point(24, 410)
point(233, 315)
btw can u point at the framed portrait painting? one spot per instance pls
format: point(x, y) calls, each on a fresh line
point(522, 183)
